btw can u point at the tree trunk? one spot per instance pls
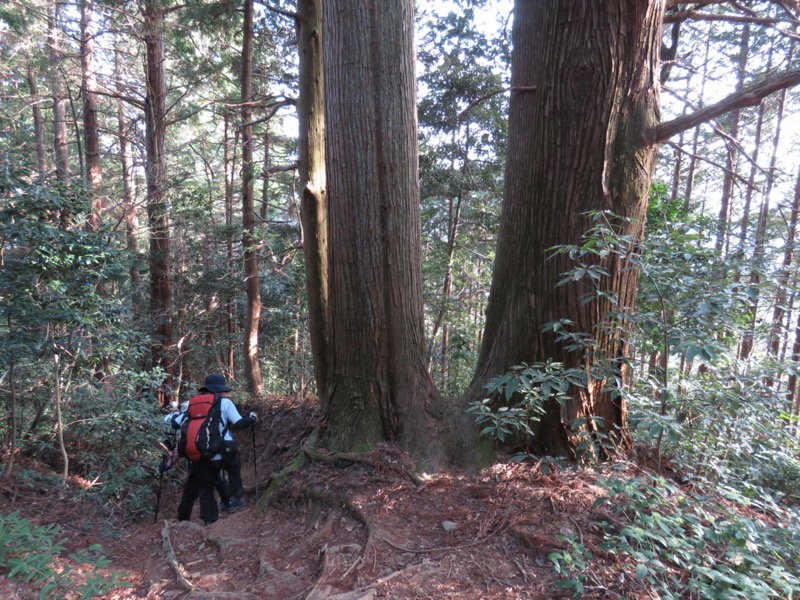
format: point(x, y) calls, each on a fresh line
point(60, 147)
point(91, 135)
point(38, 124)
point(584, 103)
point(252, 369)
point(378, 388)
point(59, 418)
point(156, 173)
point(782, 305)
point(733, 151)
point(12, 410)
point(454, 222)
point(313, 208)
point(130, 210)
point(91, 142)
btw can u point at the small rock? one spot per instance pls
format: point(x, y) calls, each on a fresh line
point(449, 526)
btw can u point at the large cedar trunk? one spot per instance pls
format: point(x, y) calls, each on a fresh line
point(584, 103)
point(378, 388)
point(156, 174)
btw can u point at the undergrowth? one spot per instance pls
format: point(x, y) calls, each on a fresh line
point(687, 545)
point(37, 555)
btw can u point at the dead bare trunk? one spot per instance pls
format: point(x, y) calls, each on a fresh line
point(311, 170)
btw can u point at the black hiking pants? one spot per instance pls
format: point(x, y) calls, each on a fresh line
point(203, 478)
point(232, 463)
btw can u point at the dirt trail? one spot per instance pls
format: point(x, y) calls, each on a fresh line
point(349, 530)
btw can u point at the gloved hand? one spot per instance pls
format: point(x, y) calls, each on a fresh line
point(254, 416)
point(162, 466)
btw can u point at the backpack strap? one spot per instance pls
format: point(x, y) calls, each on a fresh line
point(218, 406)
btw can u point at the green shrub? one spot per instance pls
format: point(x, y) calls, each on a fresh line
point(29, 553)
point(682, 545)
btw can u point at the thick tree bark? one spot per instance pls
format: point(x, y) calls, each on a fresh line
point(581, 141)
point(311, 169)
point(378, 388)
point(252, 369)
point(156, 174)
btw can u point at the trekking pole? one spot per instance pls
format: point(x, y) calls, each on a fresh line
point(158, 497)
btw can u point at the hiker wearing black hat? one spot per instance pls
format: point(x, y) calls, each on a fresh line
point(207, 469)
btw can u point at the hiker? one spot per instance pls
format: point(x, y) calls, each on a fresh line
point(191, 486)
point(207, 471)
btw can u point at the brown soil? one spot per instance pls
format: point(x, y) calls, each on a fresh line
point(345, 530)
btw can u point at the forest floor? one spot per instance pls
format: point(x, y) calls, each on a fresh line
point(348, 530)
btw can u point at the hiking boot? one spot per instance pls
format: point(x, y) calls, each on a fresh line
point(235, 503)
point(224, 505)
point(209, 522)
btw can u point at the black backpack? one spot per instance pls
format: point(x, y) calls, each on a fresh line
point(201, 437)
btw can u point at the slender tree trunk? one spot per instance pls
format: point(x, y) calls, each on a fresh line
point(761, 229)
point(793, 399)
point(454, 221)
point(782, 304)
point(378, 388)
point(230, 169)
point(311, 170)
point(252, 369)
point(59, 418)
point(38, 124)
point(156, 172)
point(91, 142)
point(584, 104)
point(264, 208)
point(732, 156)
point(746, 344)
point(91, 135)
point(130, 210)
point(12, 384)
point(60, 146)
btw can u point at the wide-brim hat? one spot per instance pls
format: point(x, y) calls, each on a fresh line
point(215, 382)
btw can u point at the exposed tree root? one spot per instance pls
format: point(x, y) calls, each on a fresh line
point(172, 559)
point(335, 560)
point(372, 459)
point(221, 543)
point(276, 482)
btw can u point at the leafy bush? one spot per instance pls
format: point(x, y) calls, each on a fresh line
point(35, 555)
point(681, 545)
point(524, 393)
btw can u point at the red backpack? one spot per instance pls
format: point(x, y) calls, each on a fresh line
point(201, 437)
